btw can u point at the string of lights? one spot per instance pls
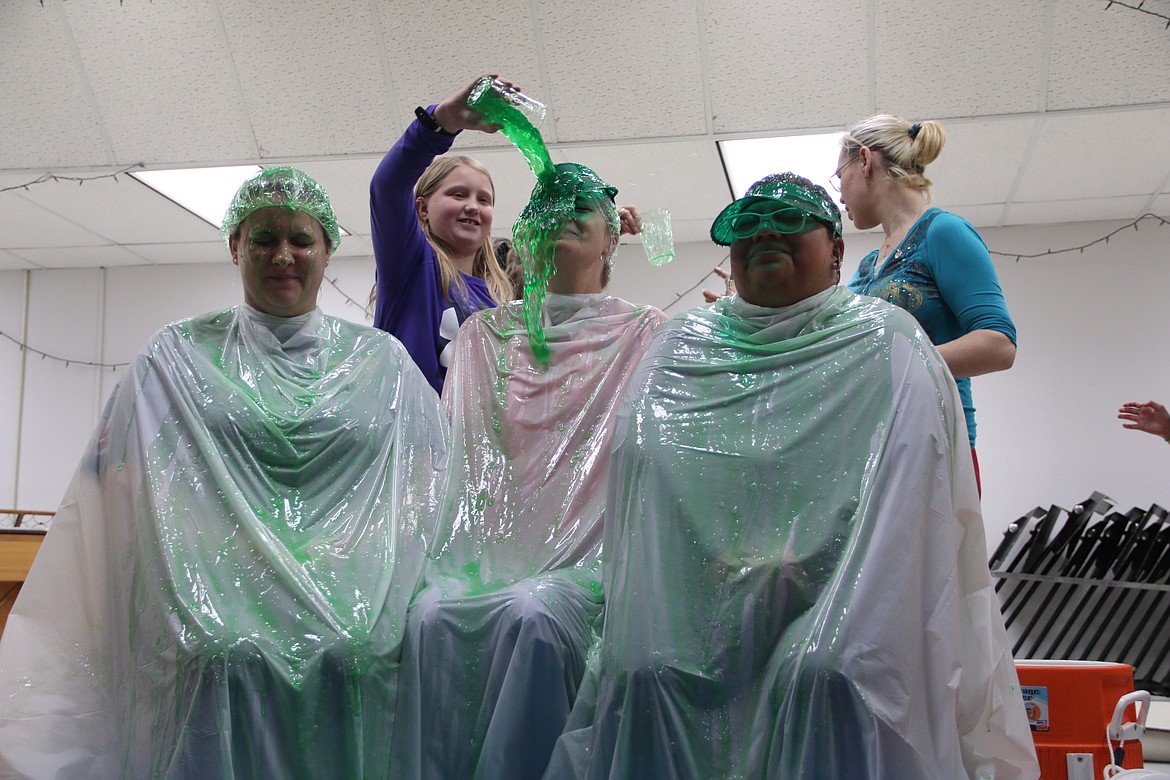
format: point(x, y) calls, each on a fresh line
point(1161, 221)
point(1102, 240)
point(1139, 7)
point(67, 361)
point(47, 177)
point(694, 286)
point(348, 299)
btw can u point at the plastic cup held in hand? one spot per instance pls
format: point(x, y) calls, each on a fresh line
point(657, 237)
point(488, 88)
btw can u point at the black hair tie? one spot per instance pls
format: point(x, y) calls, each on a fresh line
point(914, 129)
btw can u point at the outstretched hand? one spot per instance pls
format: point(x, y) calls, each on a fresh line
point(1150, 417)
point(728, 286)
point(453, 114)
point(630, 223)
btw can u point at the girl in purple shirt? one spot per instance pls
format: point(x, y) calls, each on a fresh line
point(431, 222)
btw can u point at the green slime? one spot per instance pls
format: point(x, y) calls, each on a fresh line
point(549, 208)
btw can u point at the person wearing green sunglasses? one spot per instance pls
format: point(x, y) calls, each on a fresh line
point(785, 239)
point(796, 575)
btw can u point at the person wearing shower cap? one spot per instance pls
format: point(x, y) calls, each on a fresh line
point(796, 584)
point(222, 591)
point(496, 643)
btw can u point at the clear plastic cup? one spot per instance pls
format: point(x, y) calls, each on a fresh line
point(488, 88)
point(657, 236)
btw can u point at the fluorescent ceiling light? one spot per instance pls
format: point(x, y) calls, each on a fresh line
point(205, 192)
point(750, 159)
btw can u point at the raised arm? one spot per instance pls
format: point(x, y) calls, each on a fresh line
point(400, 248)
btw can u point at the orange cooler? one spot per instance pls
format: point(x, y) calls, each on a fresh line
point(1070, 704)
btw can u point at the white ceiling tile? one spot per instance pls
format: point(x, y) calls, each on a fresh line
point(1161, 205)
point(476, 141)
point(163, 78)
point(348, 183)
point(645, 175)
point(311, 74)
point(782, 66)
point(1084, 210)
point(80, 256)
point(617, 71)
point(497, 37)
point(202, 81)
point(24, 224)
point(959, 59)
point(1092, 155)
point(122, 211)
point(47, 119)
point(986, 215)
point(203, 252)
point(1107, 56)
point(980, 161)
point(10, 262)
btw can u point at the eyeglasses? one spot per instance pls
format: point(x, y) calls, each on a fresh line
point(785, 220)
point(835, 179)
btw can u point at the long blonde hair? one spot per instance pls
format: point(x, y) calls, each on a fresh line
point(906, 147)
point(486, 266)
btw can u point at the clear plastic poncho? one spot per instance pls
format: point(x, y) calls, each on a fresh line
point(796, 583)
point(222, 592)
point(496, 645)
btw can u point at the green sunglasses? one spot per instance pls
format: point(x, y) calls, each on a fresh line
point(784, 220)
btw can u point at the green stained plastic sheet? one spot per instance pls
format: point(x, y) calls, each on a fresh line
point(549, 208)
point(222, 593)
point(796, 578)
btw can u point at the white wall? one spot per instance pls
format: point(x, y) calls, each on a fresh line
point(1092, 329)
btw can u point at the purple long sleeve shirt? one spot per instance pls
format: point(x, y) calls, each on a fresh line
point(410, 302)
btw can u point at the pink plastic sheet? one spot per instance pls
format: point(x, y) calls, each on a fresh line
point(496, 644)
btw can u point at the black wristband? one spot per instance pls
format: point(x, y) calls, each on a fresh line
point(427, 120)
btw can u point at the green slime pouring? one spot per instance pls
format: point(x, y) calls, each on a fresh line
point(549, 208)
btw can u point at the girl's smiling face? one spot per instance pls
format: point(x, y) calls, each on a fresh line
point(459, 212)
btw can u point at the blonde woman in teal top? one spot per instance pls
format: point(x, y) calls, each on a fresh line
point(932, 263)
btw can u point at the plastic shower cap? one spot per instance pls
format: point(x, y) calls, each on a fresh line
point(552, 198)
point(287, 187)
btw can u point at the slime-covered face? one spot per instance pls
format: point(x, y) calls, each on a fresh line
point(585, 240)
point(282, 256)
point(460, 210)
point(775, 269)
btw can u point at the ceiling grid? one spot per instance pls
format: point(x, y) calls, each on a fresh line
point(1056, 111)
